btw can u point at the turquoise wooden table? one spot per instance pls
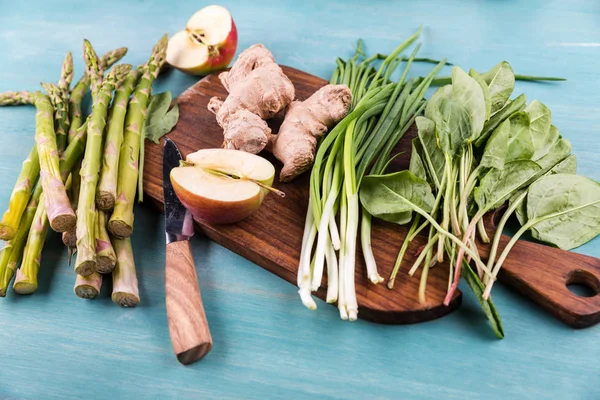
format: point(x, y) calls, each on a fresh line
point(266, 344)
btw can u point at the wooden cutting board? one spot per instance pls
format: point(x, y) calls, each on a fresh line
point(272, 236)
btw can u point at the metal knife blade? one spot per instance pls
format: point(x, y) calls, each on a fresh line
point(178, 220)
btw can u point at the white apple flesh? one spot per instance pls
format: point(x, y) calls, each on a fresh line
point(207, 44)
point(216, 197)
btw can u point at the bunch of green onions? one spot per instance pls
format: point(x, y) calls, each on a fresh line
point(382, 112)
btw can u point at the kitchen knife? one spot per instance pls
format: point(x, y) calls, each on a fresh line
point(188, 327)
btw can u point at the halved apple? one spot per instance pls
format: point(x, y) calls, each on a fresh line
point(207, 44)
point(222, 185)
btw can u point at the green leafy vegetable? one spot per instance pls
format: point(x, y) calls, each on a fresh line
point(390, 197)
point(564, 210)
point(433, 156)
point(487, 306)
point(416, 163)
point(458, 111)
point(160, 120)
point(496, 149)
point(540, 119)
point(520, 142)
point(487, 97)
point(491, 124)
point(559, 151)
point(566, 166)
point(161, 117)
point(501, 82)
point(498, 185)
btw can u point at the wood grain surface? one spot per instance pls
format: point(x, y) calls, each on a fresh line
point(267, 345)
point(543, 274)
point(188, 327)
point(272, 236)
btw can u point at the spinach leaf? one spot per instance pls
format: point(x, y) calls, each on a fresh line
point(391, 197)
point(488, 306)
point(433, 156)
point(566, 166)
point(496, 149)
point(159, 121)
point(498, 185)
point(521, 209)
point(416, 162)
point(501, 81)
point(564, 210)
point(540, 119)
point(550, 140)
point(458, 111)
point(486, 92)
point(561, 150)
point(520, 142)
point(490, 125)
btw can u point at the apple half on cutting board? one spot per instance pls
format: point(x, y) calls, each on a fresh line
point(221, 185)
point(207, 44)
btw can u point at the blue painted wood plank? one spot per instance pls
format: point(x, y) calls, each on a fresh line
point(266, 345)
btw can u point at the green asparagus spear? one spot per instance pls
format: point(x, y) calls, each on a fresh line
point(20, 195)
point(85, 263)
point(107, 186)
point(125, 284)
point(16, 98)
point(62, 105)
point(69, 238)
point(27, 177)
point(66, 75)
point(88, 287)
point(106, 259)
point(60, 213)
point(61, 114)
point(14, 249)
point(121, 221)
point(31, 168)
point(26, 280)
point(78, 92)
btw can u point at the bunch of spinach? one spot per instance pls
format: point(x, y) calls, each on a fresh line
point(476, 150)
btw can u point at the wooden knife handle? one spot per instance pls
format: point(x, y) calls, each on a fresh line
point(188, 326)
point(542, 273)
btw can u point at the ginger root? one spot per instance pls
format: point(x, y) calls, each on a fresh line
point(258, 89)
point(296, 143)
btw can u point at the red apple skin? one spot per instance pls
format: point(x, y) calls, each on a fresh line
point(220, 61)
point(215, 211)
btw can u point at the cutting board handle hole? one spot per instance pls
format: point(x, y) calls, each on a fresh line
point(583, 283)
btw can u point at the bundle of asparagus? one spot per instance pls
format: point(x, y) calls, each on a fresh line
point(87, 166)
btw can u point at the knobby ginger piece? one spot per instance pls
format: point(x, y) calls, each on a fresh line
point(296, 143)
point(258, 89)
